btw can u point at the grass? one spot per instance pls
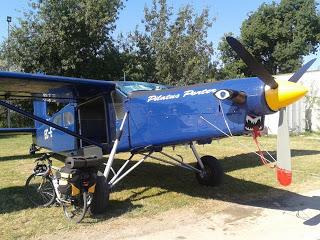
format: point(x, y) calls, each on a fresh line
point(155, 187)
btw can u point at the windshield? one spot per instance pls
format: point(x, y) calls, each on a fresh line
point(128, 87)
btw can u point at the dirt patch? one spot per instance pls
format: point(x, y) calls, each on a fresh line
point(122, 228)
point(236, 213)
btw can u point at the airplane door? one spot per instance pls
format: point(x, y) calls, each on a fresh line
point(93, 121)
point(65, 118)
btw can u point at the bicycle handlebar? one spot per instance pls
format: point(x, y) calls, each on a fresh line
point(44, 157)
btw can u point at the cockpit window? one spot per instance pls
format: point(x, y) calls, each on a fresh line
point(128, 87)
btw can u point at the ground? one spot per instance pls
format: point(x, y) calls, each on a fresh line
point(160, 201)
point(292, 216)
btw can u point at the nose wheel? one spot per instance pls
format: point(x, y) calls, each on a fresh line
point(212, 172)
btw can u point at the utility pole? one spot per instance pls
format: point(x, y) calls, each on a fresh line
point(9, 20)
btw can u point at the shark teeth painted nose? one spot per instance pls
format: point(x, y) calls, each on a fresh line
point(285, 94)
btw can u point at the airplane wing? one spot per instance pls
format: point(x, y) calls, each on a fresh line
point(39, 86)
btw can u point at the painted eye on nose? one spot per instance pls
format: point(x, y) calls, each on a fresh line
point(222, 94)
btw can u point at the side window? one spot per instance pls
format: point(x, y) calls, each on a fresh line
point(53, 107)
point(58, 120)
point(68, 119)
point(118, 104)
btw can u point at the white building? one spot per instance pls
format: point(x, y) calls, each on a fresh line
point(304, 114)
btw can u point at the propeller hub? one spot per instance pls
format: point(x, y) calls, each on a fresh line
point(285, 94)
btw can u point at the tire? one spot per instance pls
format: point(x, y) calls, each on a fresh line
point(212, 174)
point(100, 197)
point(77, 208)
point(40, 190)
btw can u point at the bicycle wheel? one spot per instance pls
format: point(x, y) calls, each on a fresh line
point(76, 209)
point(40, 190)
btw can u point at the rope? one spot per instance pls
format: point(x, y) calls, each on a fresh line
point(255, 134)
point(230, 136)
point(224, 118)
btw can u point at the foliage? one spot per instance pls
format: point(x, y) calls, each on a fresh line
point(16, 119)
point(170, 51)
point(66, 37)
point(232, 65)
point(278, 35)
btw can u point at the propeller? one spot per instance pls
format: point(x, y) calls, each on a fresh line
point(255, 67)
point(277, 97)
point(298, 74)
point(284, 174)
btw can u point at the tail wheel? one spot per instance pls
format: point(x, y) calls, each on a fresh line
point(100, 197)
point(212, 174)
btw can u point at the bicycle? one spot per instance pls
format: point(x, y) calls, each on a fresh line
point(39, 186)
point(71, 188)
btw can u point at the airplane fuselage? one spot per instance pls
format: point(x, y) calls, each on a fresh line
point(159, 118)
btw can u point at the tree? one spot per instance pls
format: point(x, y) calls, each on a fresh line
point(66, 37)
point(279, 35)
point(233, 67)
point(171, 51)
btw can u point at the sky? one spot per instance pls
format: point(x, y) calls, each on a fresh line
point(229, 15)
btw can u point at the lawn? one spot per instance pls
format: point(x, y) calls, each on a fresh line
point(156, 187)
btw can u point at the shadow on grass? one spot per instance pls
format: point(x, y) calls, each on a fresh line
point(116, 208)
point(20, 157)
point(8, 136)
point(235, 190)
point(28, 156)
point(13, 199)
point(173, 179)
point(249, 160)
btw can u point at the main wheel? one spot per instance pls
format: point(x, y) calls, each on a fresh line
point(76, 209)
point(40, 190)
point(100, 197)
point(212, 173)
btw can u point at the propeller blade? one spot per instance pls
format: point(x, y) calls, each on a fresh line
point(254, 66)
point(284, 173)
point(298, 74)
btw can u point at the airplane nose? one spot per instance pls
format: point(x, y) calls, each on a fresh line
point(285, 94)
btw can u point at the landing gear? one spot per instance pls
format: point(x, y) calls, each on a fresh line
point(100, 197)
point(212, 172)
point(33, 149)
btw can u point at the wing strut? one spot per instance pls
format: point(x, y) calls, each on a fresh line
point(51, 124)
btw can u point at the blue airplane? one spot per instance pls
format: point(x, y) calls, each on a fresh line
point(75, 116)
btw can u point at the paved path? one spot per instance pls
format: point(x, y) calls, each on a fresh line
point(294, 217)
